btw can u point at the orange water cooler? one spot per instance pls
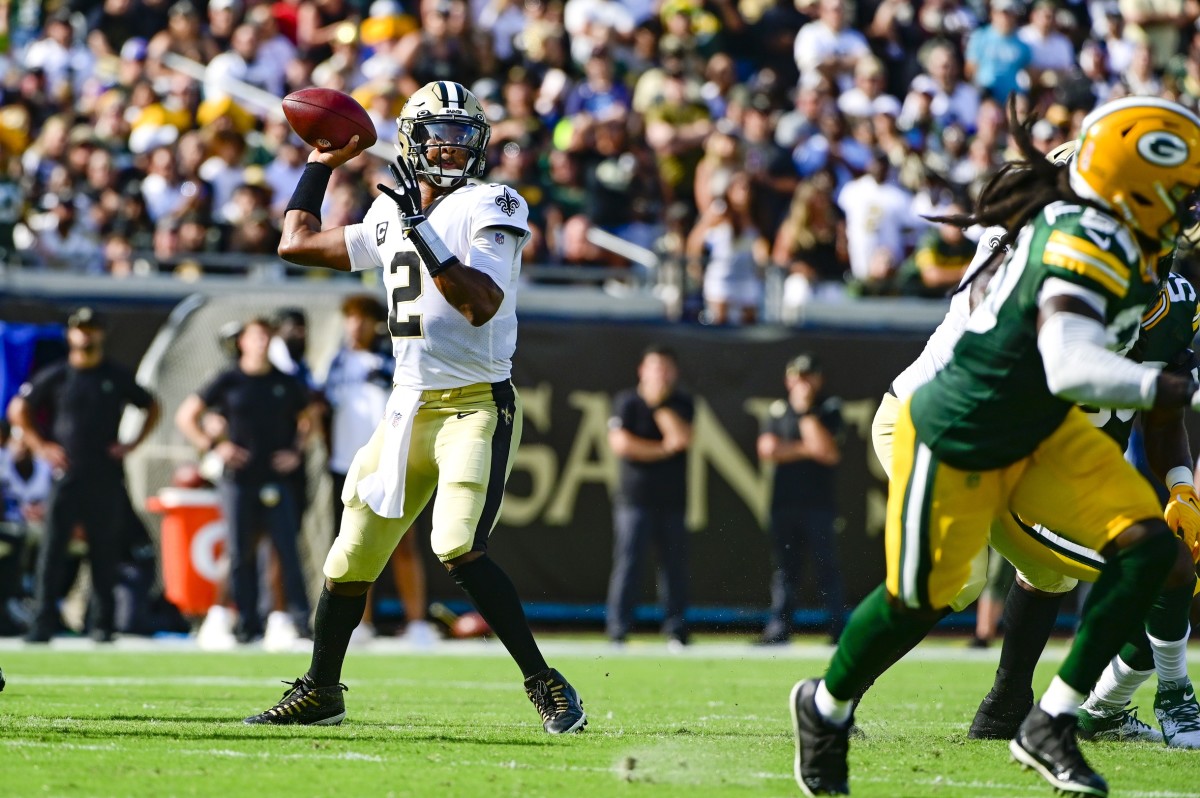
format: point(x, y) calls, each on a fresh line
point(194, 543)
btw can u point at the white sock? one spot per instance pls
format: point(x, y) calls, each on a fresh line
point(1170, 658)
point(1119, 682)
point(832, 709)
point(1061, 699)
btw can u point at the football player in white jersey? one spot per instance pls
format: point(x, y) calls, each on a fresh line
point(450, 252)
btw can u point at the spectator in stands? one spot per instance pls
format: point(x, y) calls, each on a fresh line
point(803, 122)
point(357, 389)
point(264, 411)
point(1157, 24)
point(952, 99)
point(64, 244)
point(598, 94)
point(770, 169)
point(867, 97)
point(64, 63)
point(829, 46)
point(878, 216)
point(996, 56)
point(68, 414)
point(676, 130)
point(224, 16)
point(811, 246)
point(726, 252)
point(1141, 77)
point(939, 261)
point(650, 433)
point(223, 170)
point(1050, 50)
point(801, 438)
point(183, 36)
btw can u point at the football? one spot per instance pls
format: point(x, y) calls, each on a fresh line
point(328, 119)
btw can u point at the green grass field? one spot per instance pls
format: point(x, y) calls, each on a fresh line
point(77, 721)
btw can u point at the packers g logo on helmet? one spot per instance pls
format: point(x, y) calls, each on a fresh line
point(438, 115)
point(1140, 156)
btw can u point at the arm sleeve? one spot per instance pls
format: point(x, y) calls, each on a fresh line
point(682, 404)
point(37, 390)
point(494, 252)
point(622, 411)
point(213, 394)
point(364, 239)
point(1079, 368)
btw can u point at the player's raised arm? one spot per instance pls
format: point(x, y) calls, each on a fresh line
point(304, 242)
point(469, 291)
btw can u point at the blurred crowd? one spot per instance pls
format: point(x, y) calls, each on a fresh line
point(732, 137)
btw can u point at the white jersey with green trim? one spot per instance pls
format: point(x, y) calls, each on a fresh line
point(940, 345)
point(485, 226)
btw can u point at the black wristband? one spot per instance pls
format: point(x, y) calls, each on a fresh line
point(310, 191)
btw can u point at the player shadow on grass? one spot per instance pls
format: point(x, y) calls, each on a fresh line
point(227, 728)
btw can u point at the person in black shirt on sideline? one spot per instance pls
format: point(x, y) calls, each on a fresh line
point(800, 436)
point(263, 409)
point(650, 431)
point(69, 413)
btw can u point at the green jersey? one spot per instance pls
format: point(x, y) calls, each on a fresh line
point(1168, 328)
point(990, 406)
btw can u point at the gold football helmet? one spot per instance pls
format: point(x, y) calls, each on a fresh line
point(1140, 156)
point(439, 115)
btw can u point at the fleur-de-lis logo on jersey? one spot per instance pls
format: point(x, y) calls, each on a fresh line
point(508, 203)
point(508, 416)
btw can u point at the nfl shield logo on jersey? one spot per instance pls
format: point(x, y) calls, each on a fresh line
point(499, 238)
point(397, 417)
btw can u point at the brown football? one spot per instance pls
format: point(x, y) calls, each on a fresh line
point(328, 119)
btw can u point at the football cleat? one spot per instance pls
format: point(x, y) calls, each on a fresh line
point(304, 704)
point(1, 680)
point(1000, 715)
point(1100, 720)
point(1047, 744)
point(820, 766)
point(1178, 714)
point(557, 702)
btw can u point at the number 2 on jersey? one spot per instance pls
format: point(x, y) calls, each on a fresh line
point(408, 266)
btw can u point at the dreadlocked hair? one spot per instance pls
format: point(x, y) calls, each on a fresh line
point(1018, 191)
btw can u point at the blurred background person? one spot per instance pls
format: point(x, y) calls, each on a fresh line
point(68, 414)
point(650, 432)
point(25, 482)
point(357, 389)
point(800, 438)
point(264, 410)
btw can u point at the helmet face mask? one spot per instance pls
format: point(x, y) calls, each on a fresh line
point(443, 134)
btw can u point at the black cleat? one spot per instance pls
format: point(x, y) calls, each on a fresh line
point(557, 702)
point(305, 705)
point(1000, 715)
point(1, 680)
point(1047, 744)
point(821, 748)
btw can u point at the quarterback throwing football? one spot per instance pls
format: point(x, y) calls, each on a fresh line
point(450, 252)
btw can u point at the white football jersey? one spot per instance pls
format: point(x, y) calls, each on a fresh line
point(435, 346)
point(940, 346)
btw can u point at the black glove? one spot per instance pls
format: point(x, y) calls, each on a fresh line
point(406, 195)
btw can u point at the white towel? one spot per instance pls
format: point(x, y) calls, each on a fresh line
point(383, 490)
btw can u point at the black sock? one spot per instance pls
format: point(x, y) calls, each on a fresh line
point(493, 594)
point(1028, 620)
point(337, 617)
